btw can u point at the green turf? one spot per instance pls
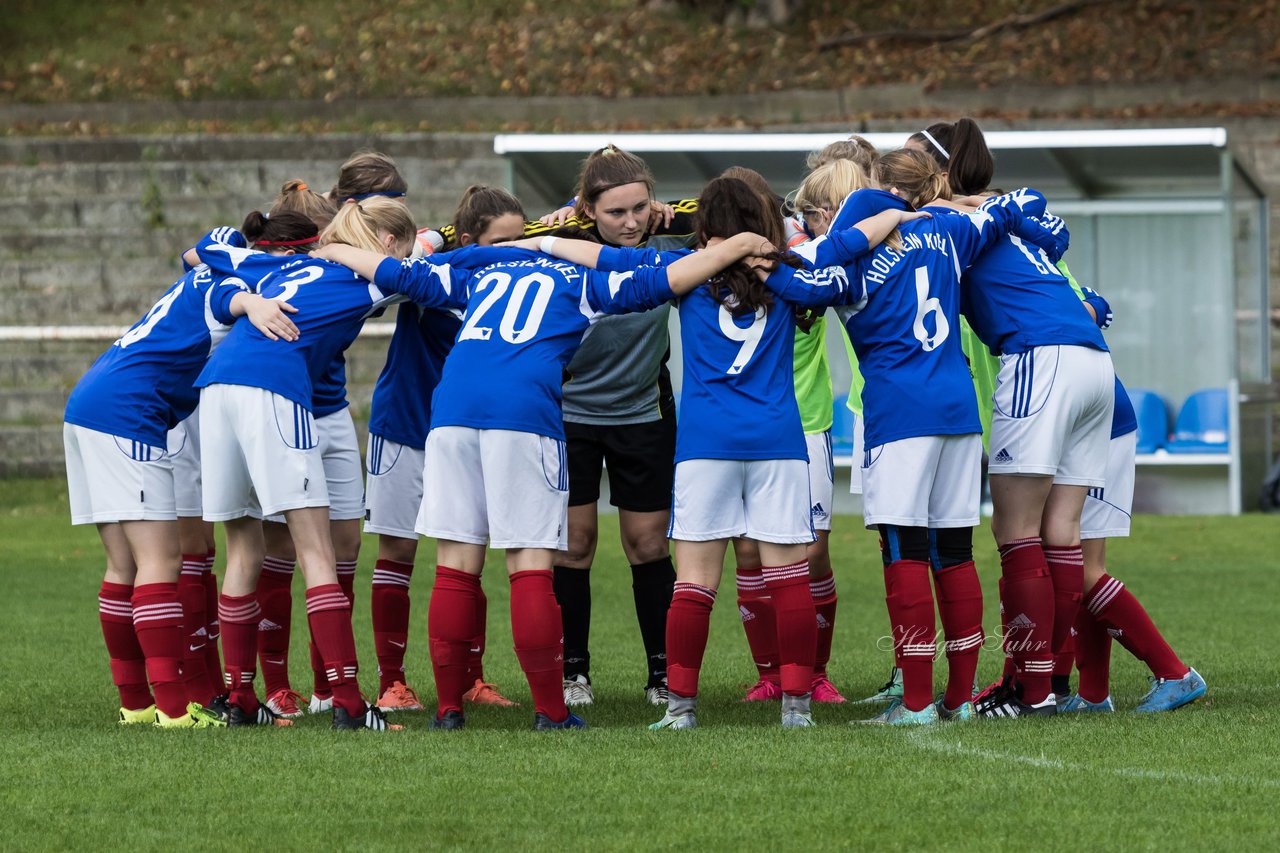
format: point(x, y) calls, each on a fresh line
point(1204, 777)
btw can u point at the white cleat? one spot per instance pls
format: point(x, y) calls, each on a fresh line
point(577, 691)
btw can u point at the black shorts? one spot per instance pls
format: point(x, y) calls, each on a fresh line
point(640, 459)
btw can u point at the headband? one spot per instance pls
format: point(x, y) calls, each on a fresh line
point(363, 196)
point(929, 136)
point(287, 242)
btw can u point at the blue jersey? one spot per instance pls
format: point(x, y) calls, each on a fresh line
point(333, 303)
point(906, 336)
point(1124, 419)
point(1015, 298)
point(142, 386)
point(738, 400)
point(526, 314)
point(401, 408)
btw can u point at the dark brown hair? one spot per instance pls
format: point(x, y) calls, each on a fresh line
point(967, 161)
point(855, 148)
point(776, 232)
point(604, 169)
point(368, 173)
point(287, 229)
point(480, 205)
point(729, 206)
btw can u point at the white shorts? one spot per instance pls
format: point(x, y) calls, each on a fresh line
point(343, 477)
point(1052, 415)
point(184, 452)
point(926, 481)
point(763, 499)
point(110, 478)
point(258, 454)
point(859, 450)
point(822, 476)
point(393, 491)
point(1107, 509)
point(504, 488)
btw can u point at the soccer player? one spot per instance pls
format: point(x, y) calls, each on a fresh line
point(619, 413)
point(495, 471)
point(261, 449)
point(399, 420)
point(819, 196)
point(120, 477)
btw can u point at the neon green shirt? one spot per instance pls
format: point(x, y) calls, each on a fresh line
point(813, 379)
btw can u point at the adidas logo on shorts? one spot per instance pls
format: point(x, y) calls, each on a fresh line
point(1004, 457)
point(816, 511)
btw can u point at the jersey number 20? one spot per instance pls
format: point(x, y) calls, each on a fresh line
point(497, 284)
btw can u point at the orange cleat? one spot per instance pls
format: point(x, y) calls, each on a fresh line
point(399, 697)
point(284, 702)
point(484, 693)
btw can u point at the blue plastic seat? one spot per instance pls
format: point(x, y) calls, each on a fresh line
point(841, 427)
point(1202, 423)
point(1153, 419)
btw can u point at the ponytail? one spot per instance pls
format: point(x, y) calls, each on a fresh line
point(362, 224)
point(961, 150)
point(286, 229)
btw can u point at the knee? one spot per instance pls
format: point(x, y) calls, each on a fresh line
point(646, 547)
point(581, 546)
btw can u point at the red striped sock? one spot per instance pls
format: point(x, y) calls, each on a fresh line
point(347, 579)
point(275, 598)
point(128, 664)
point(960, 606)
point(538, 634)
point(688, 623)
point(389, 602)
point(1093, 657)
point(1126, 620)
point(239, 615)
point(201, 686)
point(756, 609)
point(451, 617)
point(329, 615)
point(212, 663)
point(910, 603)
point(1007, 669)
point(157, 620)
point(788, 586)
point(1066, 569)
point(1029, 607)
point(823, 591)
point(475, 658)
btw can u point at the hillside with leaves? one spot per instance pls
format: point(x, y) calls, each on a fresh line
point(140, 50)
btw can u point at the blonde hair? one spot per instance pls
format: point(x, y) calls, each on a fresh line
point(855, 148)
point(914, 174)
point(362, 224)
point(297, 197)
point(829, 185)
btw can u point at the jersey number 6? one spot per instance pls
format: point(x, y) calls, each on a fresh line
point(926, 305)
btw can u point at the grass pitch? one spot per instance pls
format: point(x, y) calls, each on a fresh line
point(1206, 776)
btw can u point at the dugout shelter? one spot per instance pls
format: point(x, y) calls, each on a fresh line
point(1166, 223)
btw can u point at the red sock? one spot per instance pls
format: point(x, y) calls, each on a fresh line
point(451, 616)
point(239, 615)
point(389, 602)
point(275, 598)
point(347, 580)
point(1029, 606)
point(1007, 669)
point(157, 620)
point(756, 610)
point(319, 682)
point(1123, 615)
point(329, 615)
point(475, 659)
point(688, 623)
point(539, 640)
point(910, 602)
point(128, 664)
point(960, 606)
point(793, 611)
point(1066, 570)
point(823, 591)
point(213, 630)
point(1093, 657)
point(201, 686)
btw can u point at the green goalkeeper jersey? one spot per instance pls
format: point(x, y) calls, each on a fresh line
point(813, 378)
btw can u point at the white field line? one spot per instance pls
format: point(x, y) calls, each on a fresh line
point(922, 741)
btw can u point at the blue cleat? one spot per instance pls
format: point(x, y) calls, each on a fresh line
point(899, 714)
point(1171, 694)
point(1077, 704)
point(543, 723)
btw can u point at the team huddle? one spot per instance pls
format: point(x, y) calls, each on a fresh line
point(528, 356)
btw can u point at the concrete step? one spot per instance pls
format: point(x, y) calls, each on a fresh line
point(31, 451)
